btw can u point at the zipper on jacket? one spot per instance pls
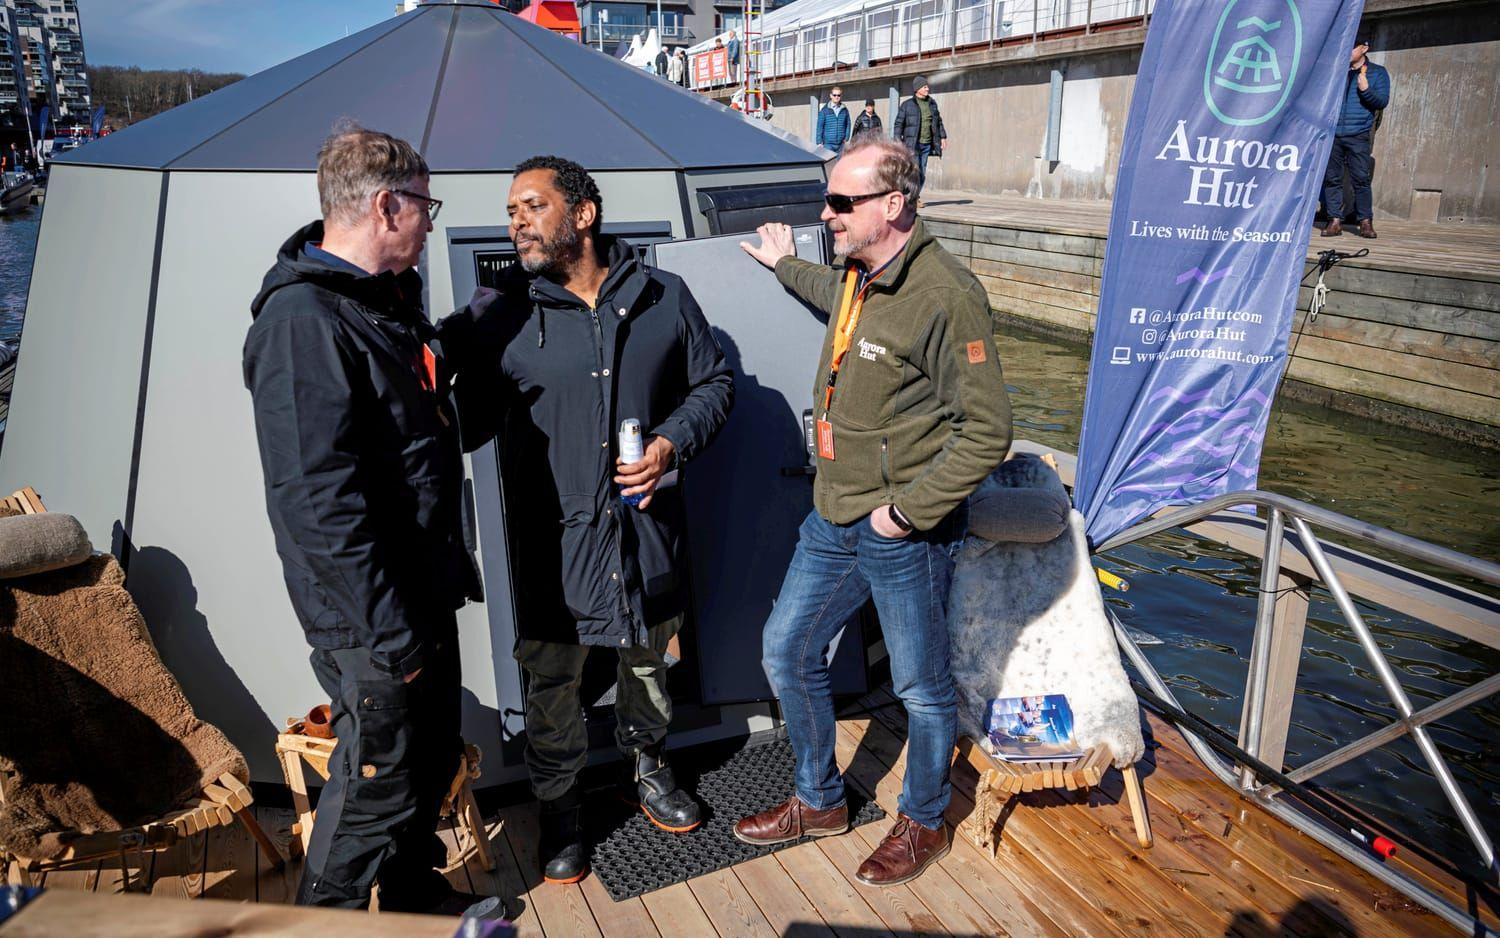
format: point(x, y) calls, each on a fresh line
point(885, 461)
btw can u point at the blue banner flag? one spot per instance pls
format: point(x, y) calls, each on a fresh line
point(97, 123)
point(1225, 147)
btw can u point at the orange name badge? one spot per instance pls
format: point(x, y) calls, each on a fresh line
point(825, 439)
point(976, 352)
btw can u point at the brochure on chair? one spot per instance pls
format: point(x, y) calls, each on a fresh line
point(1036, 728)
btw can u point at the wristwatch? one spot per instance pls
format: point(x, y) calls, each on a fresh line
point(900, 520)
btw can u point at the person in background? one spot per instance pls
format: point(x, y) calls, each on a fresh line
point(911, 415)
point(733, 45)
point(868, 122)
point(919, 125)
point(1367, 90)
point(581, 336)
point(364, 476)
point(661, 62)
point(833, 122)
point(677, 68)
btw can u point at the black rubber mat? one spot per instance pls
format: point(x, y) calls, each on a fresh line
point(632, 856)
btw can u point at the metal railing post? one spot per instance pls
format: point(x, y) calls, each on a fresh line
point(1397, 693)
point(1088, 18)
point(1260, 645)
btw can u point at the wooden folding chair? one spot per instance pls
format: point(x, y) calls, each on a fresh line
point(999, 781)
point(220, 804)
point(294, 748)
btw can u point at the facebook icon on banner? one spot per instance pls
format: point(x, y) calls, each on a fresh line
point(1228, 134)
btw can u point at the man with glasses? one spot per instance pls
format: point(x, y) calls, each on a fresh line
point(911, 415)
point(833, 122)
point(363, 473)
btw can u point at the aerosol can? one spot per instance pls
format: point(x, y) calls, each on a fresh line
point(632, 450)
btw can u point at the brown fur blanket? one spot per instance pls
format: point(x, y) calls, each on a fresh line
point(95, 733)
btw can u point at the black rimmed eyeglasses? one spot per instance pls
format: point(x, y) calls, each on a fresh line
point(433, 205)
point(844, 204)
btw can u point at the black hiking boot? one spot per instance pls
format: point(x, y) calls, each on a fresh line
point(664, 804)
point(563, 855)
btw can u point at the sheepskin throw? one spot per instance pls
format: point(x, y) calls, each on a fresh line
point(97, 734)
point(1027, 618)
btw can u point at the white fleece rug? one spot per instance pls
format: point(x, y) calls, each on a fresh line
point(1028, 618)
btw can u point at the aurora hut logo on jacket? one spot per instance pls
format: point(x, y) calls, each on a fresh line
point(870, 349)
point(1251, 67)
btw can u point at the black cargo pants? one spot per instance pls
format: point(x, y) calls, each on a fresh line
point(398, 750)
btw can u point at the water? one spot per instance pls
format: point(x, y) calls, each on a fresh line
point(17, 244)
point(1199, 597)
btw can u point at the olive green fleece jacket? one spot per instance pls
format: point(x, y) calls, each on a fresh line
point(920, 415)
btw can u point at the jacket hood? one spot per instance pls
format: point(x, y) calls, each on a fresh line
point(385, 292)
point(623, 266)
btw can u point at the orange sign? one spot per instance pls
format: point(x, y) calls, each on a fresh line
point(711, 67)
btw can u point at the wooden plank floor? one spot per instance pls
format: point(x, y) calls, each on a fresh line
point(1064, 867)
point(1464, 251)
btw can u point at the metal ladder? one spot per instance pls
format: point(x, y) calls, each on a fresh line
point(752, 95)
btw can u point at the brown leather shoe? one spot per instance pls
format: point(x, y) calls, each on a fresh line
point(790, 820)
point(1366, 228)
point(1333, 229)
point(906, 852)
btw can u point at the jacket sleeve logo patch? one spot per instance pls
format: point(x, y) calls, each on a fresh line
point(977, 354)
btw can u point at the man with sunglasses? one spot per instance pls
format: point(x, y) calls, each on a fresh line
point(911, 415)
point(833, 122)
point(363, 473)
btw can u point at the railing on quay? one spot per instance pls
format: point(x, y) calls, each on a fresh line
point(1293, 560)
point(898, 30)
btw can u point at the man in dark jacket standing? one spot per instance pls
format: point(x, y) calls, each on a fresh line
point(919, 125)
point(1367, 90)
point(363, 474)
point(911, 415)
point(580, 337)
point(833, 122)
point(867, 123)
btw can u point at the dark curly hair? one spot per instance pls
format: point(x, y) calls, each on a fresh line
point(573, 181)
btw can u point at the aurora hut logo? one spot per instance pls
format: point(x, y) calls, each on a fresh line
point(1252, 66)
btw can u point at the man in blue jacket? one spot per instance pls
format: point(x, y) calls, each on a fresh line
point(833, 122)
point(1367, 90)
point(580, 336)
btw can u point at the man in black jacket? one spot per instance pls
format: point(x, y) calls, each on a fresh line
point(579, 337)
point(919, 125)
point(363, 474)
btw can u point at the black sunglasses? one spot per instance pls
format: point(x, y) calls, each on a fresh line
point(844, 204)
point(433, 205)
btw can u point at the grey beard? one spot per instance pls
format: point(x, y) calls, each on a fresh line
point(554, 253)
point(852, 248)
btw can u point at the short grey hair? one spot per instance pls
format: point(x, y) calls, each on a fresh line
point(355, 163)
point(895, 170)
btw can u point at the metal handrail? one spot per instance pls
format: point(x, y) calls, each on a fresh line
point(1284, 511)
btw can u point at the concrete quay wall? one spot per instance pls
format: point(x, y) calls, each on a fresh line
point(1433, 151)
point(1412, 347)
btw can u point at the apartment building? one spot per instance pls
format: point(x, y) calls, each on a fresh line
point(42, 59)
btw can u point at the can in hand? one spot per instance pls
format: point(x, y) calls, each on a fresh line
point(632, 450)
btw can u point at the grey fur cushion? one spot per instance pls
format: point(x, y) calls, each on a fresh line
point(38, 543)
point(1023, 501)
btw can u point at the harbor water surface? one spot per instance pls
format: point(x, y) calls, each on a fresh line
point(1198, 598)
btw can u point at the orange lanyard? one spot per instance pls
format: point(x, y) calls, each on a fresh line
point(850, 307)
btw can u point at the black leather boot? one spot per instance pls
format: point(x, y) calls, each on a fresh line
point(564, 857)
point(666, 805)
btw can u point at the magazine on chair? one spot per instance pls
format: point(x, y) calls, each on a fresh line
point(1036, 728)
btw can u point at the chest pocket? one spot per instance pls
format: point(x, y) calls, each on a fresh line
point(868, 381)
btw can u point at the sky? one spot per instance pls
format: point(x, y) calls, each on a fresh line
point(218, 35)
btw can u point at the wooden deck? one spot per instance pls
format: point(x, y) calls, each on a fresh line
point(1063, 868)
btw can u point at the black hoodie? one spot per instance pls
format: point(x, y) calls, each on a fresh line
point(359, 446)
point(554, 379)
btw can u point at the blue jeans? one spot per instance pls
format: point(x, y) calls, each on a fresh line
point(924, 150)
point(834, 570)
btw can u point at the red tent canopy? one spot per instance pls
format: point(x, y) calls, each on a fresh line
point(560, 16)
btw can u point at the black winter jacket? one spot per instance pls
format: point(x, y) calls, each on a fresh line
point(866, 124)
point(554, 379)
point(907, 127)
point(361, 455)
